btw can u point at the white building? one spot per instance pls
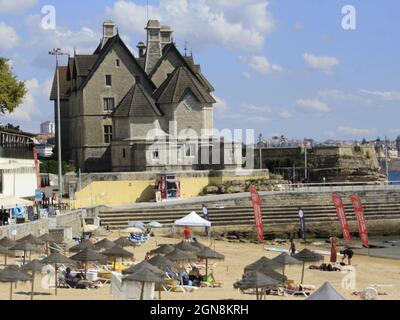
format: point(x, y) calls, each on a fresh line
point(47, 127)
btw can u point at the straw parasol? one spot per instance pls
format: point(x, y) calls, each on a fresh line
point(6, 253)
point(12, 275)
point(181, 256)
point(24, 246)
point(46, 238)
point(282, 261)
point(326, 292)
point(31, 239)
point(33, 266)
point(84, 244)
point(307, 256)
point(144, 275)
point(117, 252)
point(7, 242)
point(104, 244)
point(255, 280)
point(142, 265)
point(88, 255)
point(208, 253)
point(161, 262)
point(186, 246)
point(199, 245)
point(154, 224)
point(124, 242)
point(133, 230)
point(57, 258)
point(163, 249)
point(264, 261)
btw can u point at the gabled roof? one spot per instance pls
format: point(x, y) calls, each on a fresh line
point(102, 53)
point(187, 61)
point(137, 103)
point(177, 84)
point(64, 85)
point(84, 64)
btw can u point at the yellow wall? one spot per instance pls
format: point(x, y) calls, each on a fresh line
point(128, 192)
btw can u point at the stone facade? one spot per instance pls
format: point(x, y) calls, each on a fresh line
point(125, 113)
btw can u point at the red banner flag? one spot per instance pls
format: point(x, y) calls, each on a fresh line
point(337, 200)
point(255, 198)
point(362, 225)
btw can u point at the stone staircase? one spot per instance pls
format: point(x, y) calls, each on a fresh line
point(278, 210)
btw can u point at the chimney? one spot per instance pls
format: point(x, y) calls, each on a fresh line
point(166, 35)
point(141, 47)
point(108, 31)
point(153, 52)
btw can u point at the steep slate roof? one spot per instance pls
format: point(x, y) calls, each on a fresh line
point(102, 53)
point(188, 61)
point(178, 83)
point(84, 64)
point(64, 85)
point(137, 103)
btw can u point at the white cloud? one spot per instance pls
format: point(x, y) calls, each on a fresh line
point(15, 6)
point(285, 114)
point(383, 95)
point(322, 63)
point(260, 64)
point(315, 105)
point(253, 108)
point(338, 95)
point(221, 106)
point(28, 107)
point(8, 36)
point(239, 24)
point(256, 119)
point(246, 75)
point(356, 131)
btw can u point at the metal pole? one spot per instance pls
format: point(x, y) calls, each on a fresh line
point(305, 164)
point(59, 134)
point(386, 160)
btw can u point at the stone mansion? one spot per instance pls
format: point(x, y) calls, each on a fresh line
point(153, 112)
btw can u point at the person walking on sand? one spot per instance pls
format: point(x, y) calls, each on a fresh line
point(334, 242)
point(292, 249)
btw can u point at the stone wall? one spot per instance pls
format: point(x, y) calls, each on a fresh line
point(36, 228)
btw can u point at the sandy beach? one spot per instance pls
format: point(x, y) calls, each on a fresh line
point(379, 272)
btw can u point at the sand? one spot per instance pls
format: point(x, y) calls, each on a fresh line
point(379, 272)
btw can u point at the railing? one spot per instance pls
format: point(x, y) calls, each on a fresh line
point(342, 186)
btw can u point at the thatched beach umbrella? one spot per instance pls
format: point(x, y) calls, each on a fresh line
point(142, 265)
point(88, 255)
point(186, 246)
point(7, 242)
point(32, 240)
point(181, 256)
point(209, 254)
point(24, 246)
point(46, 238)
point(163, 249)
point(12, 275)
point(33, 266)
point(282, 261)
point(161, 262)
point(255, 280)
point(56, 259)
point(307, 256)
point(326, 292)
point(264, 261)
point(104, 244)
point(84, 244)
point(144, 276)
point(124, 242)
point(199, 245)
point(6, 253)
point(117, 252)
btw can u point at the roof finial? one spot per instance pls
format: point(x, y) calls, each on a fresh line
point(185, 48)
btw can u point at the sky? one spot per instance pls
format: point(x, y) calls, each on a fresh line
point(280, 67)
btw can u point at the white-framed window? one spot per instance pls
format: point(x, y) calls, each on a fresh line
point(109, 104)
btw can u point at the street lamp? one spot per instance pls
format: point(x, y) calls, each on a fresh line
point(57, 52)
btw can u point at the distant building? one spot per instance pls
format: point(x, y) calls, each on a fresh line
point(17, 165)
point(47, 127)
point(44, 150)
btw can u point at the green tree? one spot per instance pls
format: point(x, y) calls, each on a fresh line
point(12, 91)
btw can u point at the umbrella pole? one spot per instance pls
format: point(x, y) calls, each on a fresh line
point(159, 293)
point(302, 273)
point(11, 285)
point(206, 269)
point(33, 285)
point(142, 293)
point(257, 293)
point(24, 257)
point(115, 262)
point(55, 277)
point(5, 260)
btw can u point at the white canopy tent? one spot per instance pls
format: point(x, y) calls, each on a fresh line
point(192, 220)
point(13, 202)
